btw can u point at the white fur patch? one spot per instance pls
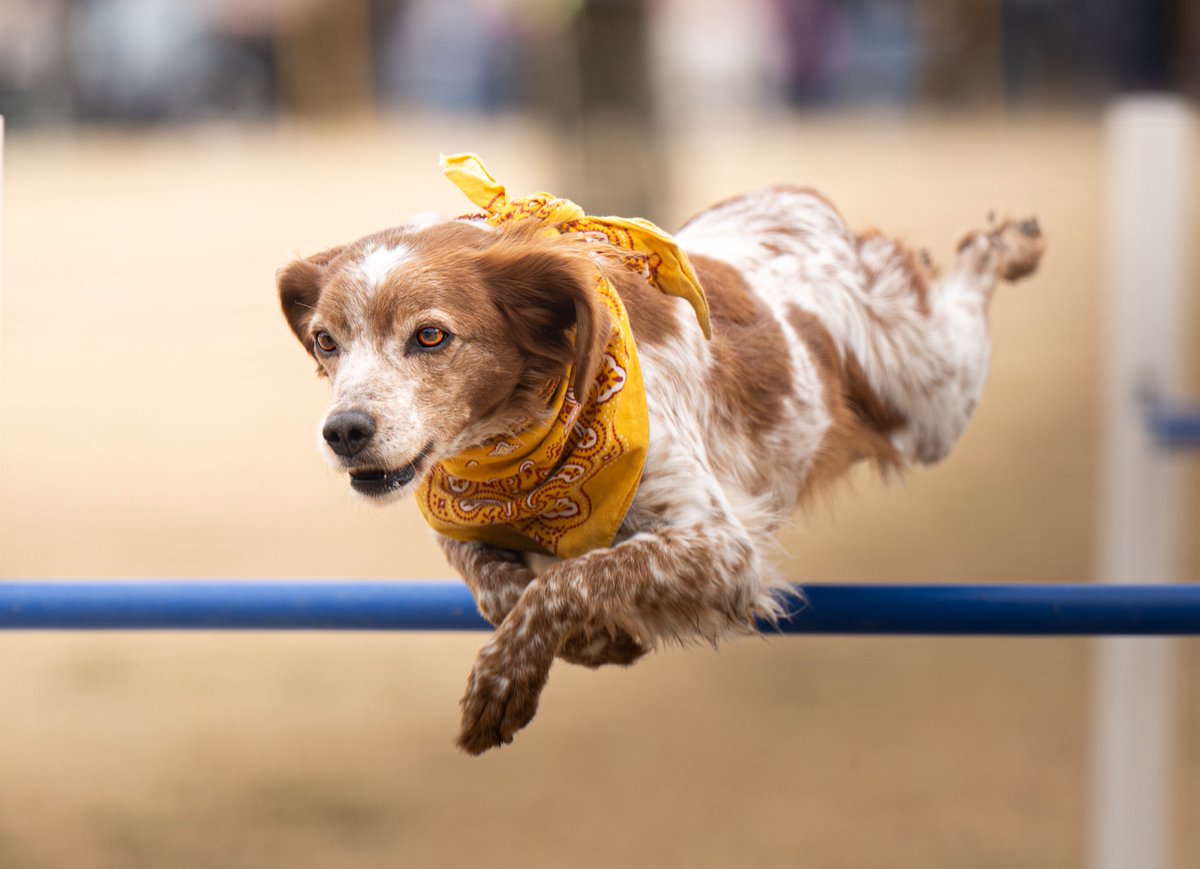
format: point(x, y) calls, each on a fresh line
point(379, 262)
point(365, 380)
point(929, 365)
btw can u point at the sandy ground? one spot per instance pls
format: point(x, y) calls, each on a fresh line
point(157, 419)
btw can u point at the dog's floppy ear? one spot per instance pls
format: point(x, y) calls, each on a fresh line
point(299, 285)
point(549, 296)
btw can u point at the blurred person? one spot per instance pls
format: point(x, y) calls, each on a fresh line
point(160, 60)
point(715, 61)
point(1089, 49)
point(448, 54)
point(1042, 48)
point(850, 52)
point(1127, 44)
point(816, 39)
point(583, 68)
point(33, 81)
point(324, 55)
point(1187, 46)
point(617, 163)
point(961, 51)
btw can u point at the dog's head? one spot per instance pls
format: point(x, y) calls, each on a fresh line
point(437, 339)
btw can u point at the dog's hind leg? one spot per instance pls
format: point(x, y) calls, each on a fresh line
point(929, 351)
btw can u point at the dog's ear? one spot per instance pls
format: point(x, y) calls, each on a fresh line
point(549, 296)
point(299, 285)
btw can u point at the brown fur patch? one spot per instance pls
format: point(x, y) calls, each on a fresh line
point(547, 293)
point(751, 377)
point(730, 300)
point(299, 286)
point(652, 313)
point(861, 419)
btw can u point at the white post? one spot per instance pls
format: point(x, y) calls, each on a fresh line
point(1150, 141)
point(1, 212)
point(1, 257)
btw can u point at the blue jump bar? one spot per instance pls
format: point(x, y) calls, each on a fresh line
point(940, 610)
point(1173, 424)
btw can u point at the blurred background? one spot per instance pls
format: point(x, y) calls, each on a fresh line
point(158, 420)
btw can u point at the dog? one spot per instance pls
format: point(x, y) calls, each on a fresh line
point(478, 363)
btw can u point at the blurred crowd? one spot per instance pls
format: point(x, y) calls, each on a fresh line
point(148, 61)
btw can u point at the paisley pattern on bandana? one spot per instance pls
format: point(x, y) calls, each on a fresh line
point(563, 485)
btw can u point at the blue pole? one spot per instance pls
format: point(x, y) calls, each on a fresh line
point(1175, 426)
point(995, 610)
point(1172, 424)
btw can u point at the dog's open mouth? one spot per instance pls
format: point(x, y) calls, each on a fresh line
point(379, 481)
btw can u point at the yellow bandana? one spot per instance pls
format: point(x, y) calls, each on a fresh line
point(562, 486)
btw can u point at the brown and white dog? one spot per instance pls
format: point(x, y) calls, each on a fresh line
point(828, 347)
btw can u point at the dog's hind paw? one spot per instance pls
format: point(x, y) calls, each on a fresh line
point(1009, 251)
point(1020, 245)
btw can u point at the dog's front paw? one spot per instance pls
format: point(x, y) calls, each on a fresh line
point(500, 700)
point(596, 650)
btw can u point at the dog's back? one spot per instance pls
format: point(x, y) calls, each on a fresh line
point(829, 347)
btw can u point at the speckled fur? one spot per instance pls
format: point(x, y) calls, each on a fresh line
point(828, 348)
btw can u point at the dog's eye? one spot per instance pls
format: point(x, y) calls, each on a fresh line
point(325, 344)
point(431, 337)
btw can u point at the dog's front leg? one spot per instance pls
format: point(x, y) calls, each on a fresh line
point(496, 577)
point(675, 583)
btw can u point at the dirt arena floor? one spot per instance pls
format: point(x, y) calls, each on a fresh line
point(157, 419)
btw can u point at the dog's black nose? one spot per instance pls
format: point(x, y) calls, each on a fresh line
point(348, 432)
